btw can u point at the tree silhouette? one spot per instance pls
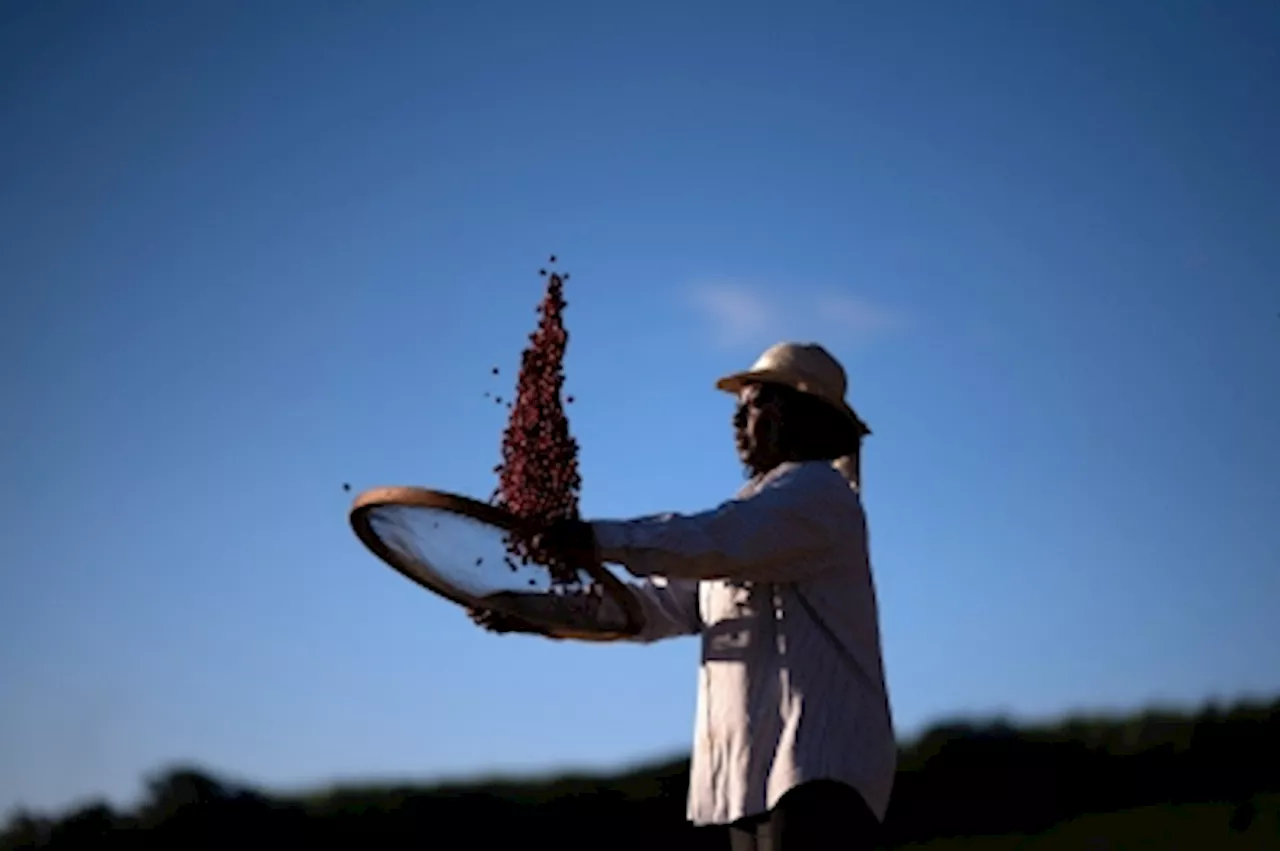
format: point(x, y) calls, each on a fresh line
point(1221, 767)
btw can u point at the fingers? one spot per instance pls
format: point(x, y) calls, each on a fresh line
point(486, 619)
point(499, 622)
point(503, 623)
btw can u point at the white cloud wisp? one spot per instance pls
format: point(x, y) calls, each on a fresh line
point(740, 315)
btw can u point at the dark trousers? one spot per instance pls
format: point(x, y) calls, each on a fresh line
point(822, 815)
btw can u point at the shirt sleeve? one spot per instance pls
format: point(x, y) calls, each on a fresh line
point(784, 532)
point(669, 608)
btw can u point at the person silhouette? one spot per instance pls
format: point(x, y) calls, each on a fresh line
point(794, 745)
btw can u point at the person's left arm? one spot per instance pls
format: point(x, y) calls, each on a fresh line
point(783, 533)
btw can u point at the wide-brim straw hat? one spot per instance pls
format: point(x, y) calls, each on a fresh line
point(806, 367)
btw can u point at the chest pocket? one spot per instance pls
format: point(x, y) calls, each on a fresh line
point(733, 613)
point(724, 600)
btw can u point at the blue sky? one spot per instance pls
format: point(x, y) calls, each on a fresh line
point(249, 252)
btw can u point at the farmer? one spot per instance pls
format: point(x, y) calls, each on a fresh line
point(794, 744)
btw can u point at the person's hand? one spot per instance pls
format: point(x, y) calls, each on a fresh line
point(502, 624)
point(574, 541)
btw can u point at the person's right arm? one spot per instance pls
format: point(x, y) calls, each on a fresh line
point(668, 608)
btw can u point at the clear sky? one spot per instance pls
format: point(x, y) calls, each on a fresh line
point(251, 251)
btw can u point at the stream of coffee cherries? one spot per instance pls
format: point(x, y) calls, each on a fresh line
point(538, 478)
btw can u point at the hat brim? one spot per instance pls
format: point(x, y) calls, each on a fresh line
point(734, 384)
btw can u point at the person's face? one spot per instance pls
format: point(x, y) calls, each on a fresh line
point(757, 427)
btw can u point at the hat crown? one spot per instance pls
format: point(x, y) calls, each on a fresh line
point(818, 372)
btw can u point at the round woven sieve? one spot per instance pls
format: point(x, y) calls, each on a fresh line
point(457, 548)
